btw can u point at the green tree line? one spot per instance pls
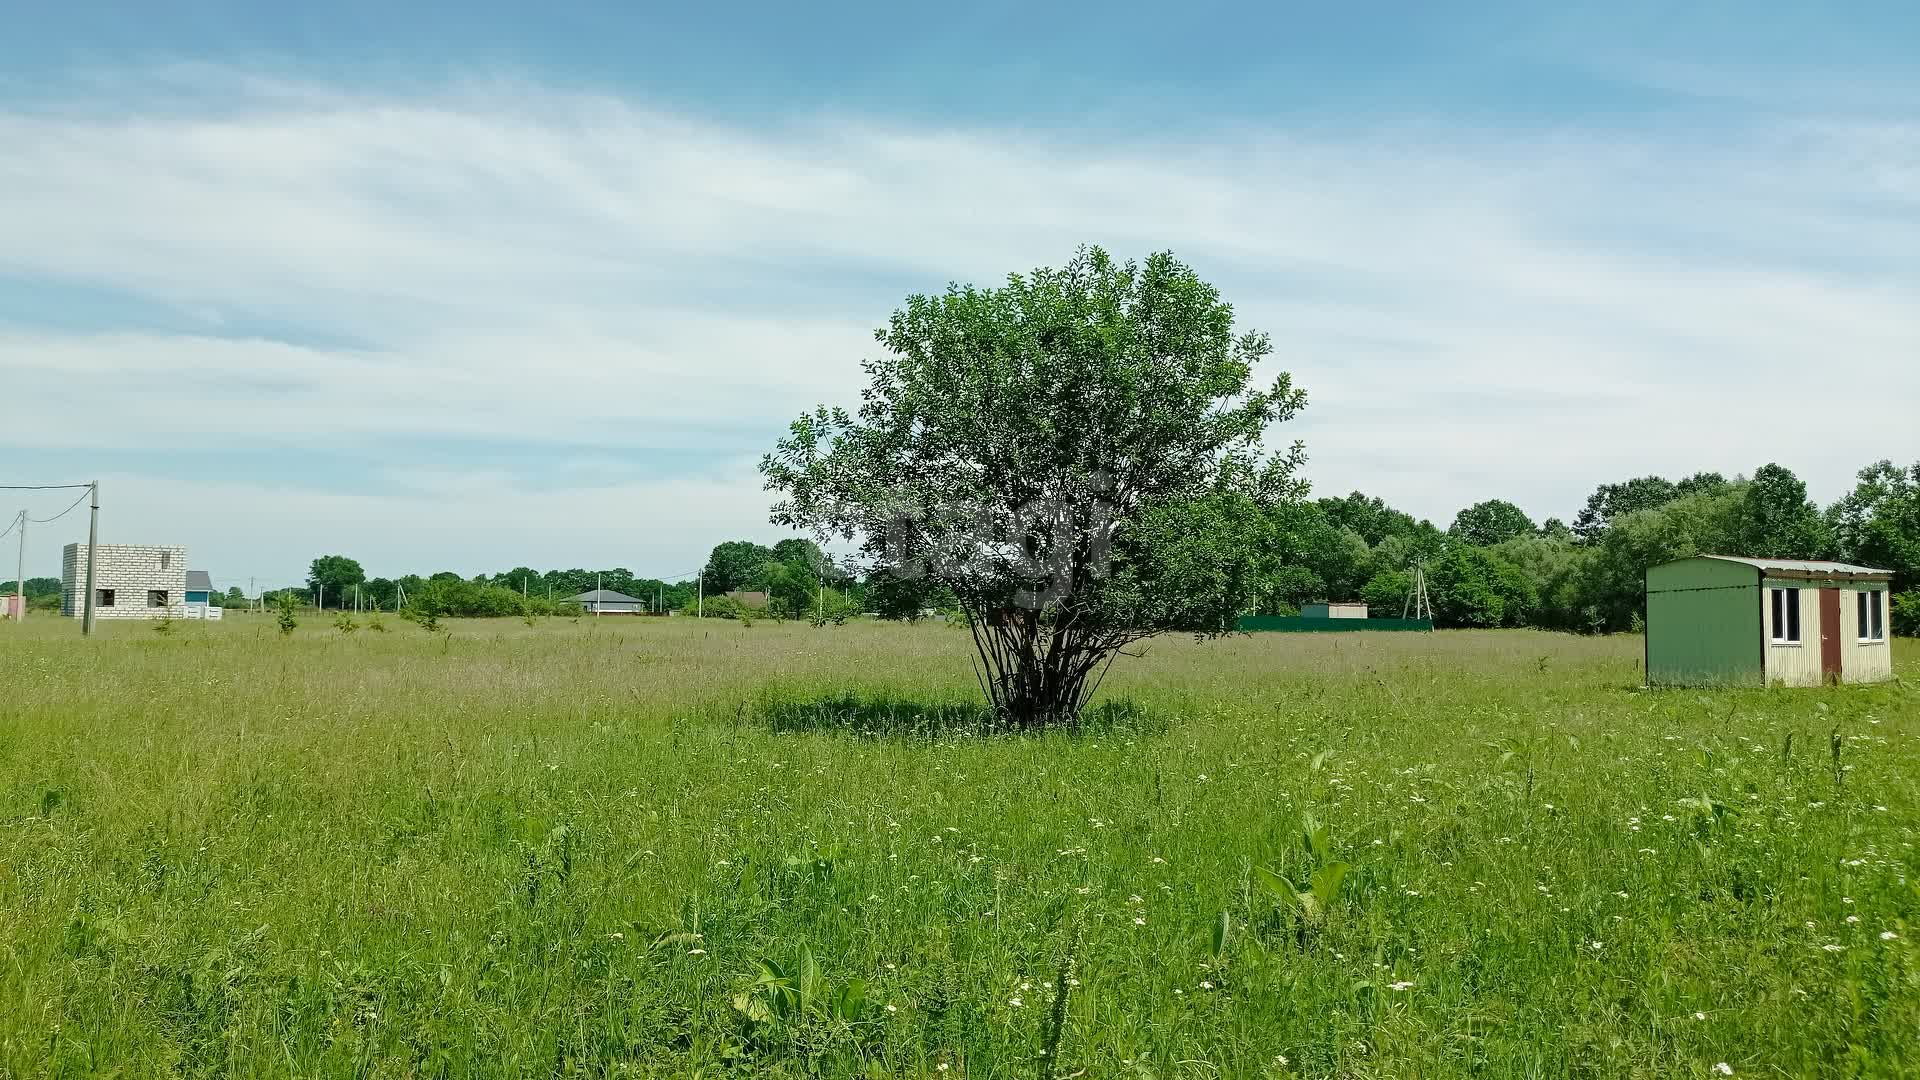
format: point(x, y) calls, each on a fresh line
point(1492, 567)
point(1495, 567)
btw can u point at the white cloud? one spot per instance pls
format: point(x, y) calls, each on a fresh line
point(1474, 313)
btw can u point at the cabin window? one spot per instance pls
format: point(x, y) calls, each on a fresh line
point(156, 598)
point(1786, 616)
point(1873, 616)
point(103, 598)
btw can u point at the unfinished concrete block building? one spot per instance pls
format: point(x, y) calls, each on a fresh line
point(130, 581)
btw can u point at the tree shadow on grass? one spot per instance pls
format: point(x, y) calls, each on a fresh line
point(880, 717)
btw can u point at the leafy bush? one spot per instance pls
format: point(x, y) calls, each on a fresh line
point(1906, 614)
point(725, 607)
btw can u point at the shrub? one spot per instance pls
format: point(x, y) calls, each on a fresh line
point(1906, 614)
point(286, 611)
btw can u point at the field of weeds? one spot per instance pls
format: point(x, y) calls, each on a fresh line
point(673, 848)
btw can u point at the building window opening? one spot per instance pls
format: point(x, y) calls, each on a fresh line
point(1873, 626)
point(1786, 616)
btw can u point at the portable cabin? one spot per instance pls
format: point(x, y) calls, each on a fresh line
point(1333, 611)
point(1727, 620)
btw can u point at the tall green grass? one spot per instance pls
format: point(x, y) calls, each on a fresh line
point(667, 848)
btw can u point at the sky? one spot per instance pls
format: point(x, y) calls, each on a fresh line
point(472, 286)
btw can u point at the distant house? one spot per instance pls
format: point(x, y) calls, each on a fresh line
point(199, 593)
point(1726, 620)
point(1333, 611)
point(752, 598)
point(608, 602)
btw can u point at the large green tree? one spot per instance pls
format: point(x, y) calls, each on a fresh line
point(1878, 522)
point(335, 574)
point(735, 564)
point(1472, 586)
point(1613, 501)
point(1778, 521)
point(1491, 522)
point(1076, 455)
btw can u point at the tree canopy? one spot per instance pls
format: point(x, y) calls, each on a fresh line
point(335, 573)
point(1491, 522)
point(1075, 455)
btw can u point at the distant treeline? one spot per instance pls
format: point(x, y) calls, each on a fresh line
point(1492, 567)
point(793, 578)
point(43, 593)
point(1496, 567)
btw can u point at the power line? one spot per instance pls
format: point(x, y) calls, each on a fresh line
point(61, 514)
point(42, 487)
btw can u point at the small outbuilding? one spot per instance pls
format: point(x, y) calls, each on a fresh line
point(608, 602)
point(199, 593)
point(1333, 611)
point(1727, 620)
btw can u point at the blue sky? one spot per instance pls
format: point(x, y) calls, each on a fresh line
point(472, 286)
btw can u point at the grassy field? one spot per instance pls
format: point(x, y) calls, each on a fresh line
point(574, 848)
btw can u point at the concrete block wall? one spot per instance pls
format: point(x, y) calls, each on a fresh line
point(131, 571)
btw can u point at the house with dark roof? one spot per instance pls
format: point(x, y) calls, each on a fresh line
point(608, 602)
point(198, 596)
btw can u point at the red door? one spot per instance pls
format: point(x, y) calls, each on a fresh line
point(1830, 635)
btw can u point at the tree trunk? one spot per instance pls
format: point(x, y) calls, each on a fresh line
point(1036, 674)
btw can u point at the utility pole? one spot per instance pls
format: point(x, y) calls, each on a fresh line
point(20, 574)
point(660, 597)
point(820, 605)
point(700, 598)
point(596, 597)
point(93, 544)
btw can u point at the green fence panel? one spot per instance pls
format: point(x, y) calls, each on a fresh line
point(1285, 624)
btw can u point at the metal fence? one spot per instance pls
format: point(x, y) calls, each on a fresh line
point(1295, 624)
